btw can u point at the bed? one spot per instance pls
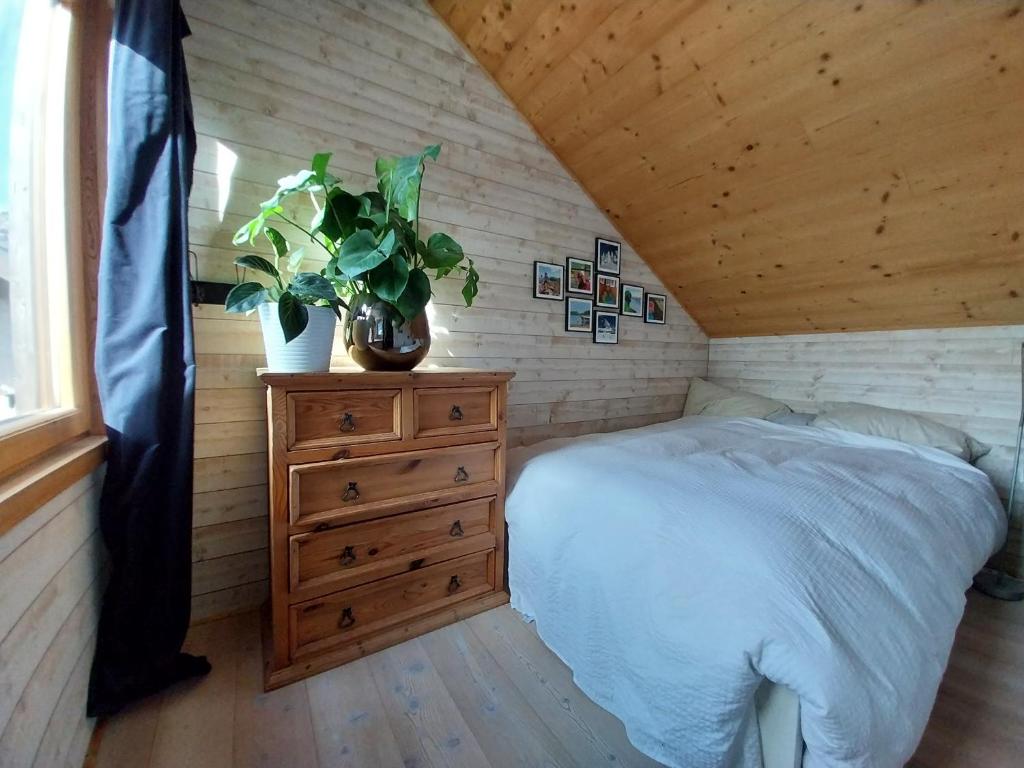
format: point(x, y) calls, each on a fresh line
point(738, 592)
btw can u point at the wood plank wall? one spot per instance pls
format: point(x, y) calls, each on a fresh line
point(271, 84)
point(50, 566)
point(969, 378)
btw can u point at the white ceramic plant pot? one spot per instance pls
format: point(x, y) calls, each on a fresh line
point(309, 351)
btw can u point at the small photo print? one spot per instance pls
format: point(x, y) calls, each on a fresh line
point(579, 315)
point(581, 276)
point(655, 308)
point(607, 291)
point(632, 300)
point(608, 255)
point(606, 327)
point(548, 281)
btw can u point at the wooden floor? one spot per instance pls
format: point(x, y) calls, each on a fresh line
point(486, 693)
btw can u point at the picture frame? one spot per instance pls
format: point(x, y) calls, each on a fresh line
point(606, 327)
point(655, 307)
point(632, 300)
point(579, 315)
point(606, 291)
point(608, 256)
point(579, 276)
point(548, 281)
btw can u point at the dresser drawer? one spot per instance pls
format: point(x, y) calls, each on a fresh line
point(343, 417)
point(451, 411)
point(355, 554)
point(344, 616)
point(321, 492)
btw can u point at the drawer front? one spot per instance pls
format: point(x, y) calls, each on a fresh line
point(451, 411)
point(361, 552)
point(343, 417)
point(323, 491)
point(353, 613)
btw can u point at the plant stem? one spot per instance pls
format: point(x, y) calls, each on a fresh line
point(306, 231)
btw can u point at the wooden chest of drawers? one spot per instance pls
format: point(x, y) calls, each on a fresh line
point(386, 510)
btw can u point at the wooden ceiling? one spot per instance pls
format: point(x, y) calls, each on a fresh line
point(787, 166)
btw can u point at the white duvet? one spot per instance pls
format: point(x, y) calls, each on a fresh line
point(674, 566)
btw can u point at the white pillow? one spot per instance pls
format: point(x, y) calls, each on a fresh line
point(900, 425)
point(707, 399)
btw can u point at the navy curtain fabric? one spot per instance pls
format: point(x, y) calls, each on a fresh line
point(145, 365)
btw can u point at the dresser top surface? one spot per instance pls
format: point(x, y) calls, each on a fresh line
point(349, 376)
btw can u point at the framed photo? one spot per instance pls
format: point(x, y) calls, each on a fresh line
point(607, 291)
point(579, 315)
point(655, 308)
point(548, 281)
point(608, 254)
point(606, 327)
point(632, 300)
point(581, 276)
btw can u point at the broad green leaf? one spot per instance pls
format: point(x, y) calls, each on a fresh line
point(472, 285)
point(277, 240)
point(310, 285)
point(336, 220)
point(245, 297)
point(360, 252)
point(442, 251)
point(292, 314)
point(389, 278)
point(415, 296)
point(319, 165)
point(399, 179)
point(252, 261)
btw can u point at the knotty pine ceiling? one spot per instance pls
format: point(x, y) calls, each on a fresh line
point(787, 166)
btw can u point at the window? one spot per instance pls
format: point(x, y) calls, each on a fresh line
point(44, 380)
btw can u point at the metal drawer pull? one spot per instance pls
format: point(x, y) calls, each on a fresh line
point(347, 556)
point(454, 585)
point(461, 475)
point(456, 529)
point(455, 414)
point(348, 423)
point(351, 493)
point(347, 619)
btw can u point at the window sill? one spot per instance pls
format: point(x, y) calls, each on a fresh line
point(29, 488)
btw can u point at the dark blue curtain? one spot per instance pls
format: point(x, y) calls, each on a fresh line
point(145, 365)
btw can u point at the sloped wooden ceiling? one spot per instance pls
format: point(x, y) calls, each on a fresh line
point(787, 166)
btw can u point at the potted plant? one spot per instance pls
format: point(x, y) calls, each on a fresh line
point(376, 263)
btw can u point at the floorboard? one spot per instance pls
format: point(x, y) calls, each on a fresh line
point(487, 693)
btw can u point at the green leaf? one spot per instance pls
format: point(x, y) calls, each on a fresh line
point(336, 220)
point(252, 261)
point(399, 179)
point(292, 314)
point(415, 296)
point(389, 278)
point(360, 252)
point(312, 286)
point(245, 297)
point(249, 231)
point(277, 240)
point(442, 251)
point(319, 165)
point(371, 204)
point(472, 285)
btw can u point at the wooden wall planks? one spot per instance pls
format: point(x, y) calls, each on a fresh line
point(50, 567)
point(787, 166)
point(969, 378)
point(272, 84)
